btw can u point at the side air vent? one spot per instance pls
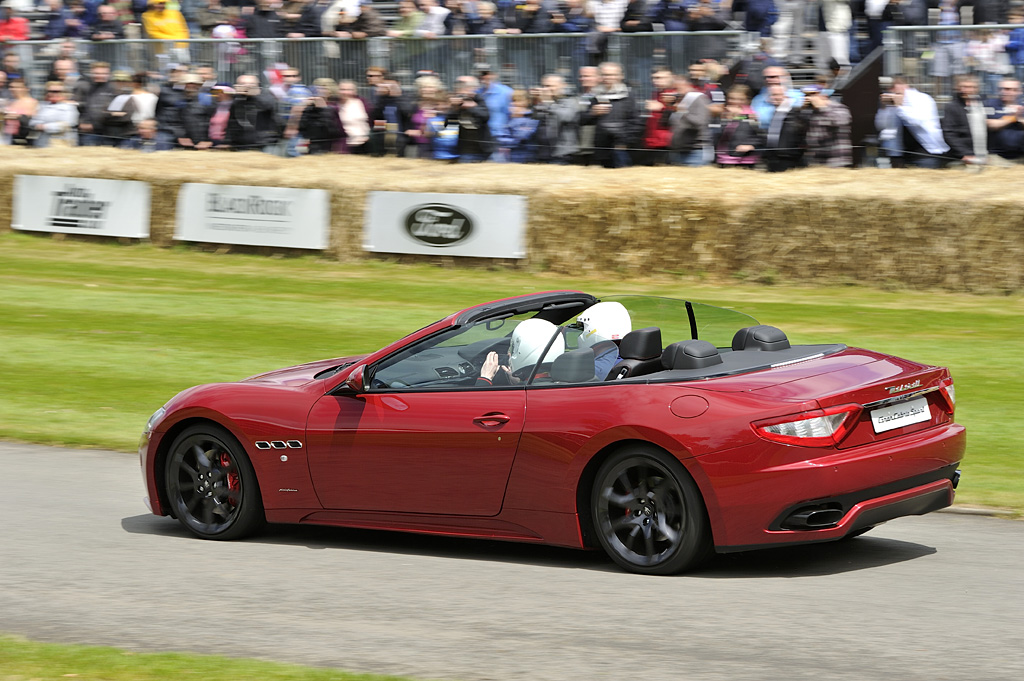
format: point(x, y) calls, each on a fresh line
point(446, 372)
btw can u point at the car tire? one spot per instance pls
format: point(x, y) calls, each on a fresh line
point(211, 484)
point(648, 512)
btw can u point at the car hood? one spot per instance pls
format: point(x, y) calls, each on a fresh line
point(303, 373)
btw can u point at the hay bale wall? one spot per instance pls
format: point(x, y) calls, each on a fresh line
point(915, 228)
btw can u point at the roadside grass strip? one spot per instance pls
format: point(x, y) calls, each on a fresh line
point(22, 660)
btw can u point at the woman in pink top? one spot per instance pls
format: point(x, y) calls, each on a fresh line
point(354, 119)
point(738, 142)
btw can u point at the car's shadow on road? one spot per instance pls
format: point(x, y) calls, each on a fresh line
point(809, 560)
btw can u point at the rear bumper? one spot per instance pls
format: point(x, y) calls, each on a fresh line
point(914, 501)
point(779, 487)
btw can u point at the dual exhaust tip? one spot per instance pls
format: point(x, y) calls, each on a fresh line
point(814, 517)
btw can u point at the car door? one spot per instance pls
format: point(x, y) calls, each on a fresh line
point(433, 452)
point(426, 435)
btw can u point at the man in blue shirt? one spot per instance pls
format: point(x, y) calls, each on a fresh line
point(498, 100)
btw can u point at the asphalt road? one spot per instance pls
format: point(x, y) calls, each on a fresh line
point(938, 597)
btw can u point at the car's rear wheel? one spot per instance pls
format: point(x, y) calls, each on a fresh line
point(648, 512)
point(211, 484)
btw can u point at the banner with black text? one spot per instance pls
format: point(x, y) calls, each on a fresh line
point(77, 205)
point(253, 216)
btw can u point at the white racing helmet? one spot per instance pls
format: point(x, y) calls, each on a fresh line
point(604, 321)
point(529, 340)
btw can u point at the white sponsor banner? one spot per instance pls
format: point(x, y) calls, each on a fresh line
point(75, 205)
point(253, 216)
point(471, 225)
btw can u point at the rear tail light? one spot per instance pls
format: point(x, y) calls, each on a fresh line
point(815, 428)
point(948, 395)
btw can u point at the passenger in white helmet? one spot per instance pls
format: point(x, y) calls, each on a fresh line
point(525, 347)
point(604, 325)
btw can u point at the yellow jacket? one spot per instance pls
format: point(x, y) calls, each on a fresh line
point(166, 25)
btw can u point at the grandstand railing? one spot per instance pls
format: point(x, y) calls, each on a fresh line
point(929, 57)
point(521, 59)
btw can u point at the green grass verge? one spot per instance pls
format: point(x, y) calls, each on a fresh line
point(95, 337)
point(21, 660)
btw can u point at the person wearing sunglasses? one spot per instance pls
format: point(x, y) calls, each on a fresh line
point(56, 118)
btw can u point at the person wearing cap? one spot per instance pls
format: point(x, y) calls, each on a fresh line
point(12, 27)
point(118, 125)
point(220, 113)
point(194, 122)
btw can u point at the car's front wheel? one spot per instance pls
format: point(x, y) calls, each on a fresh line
point(648, 512)
point(211, 484)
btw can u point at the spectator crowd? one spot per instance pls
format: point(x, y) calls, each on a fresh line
point(755, 117)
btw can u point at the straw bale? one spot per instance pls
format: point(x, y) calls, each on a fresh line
point(911, 228)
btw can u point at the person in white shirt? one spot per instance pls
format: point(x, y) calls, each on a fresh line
point(908, 125)
point(55, 120)
point(433, 19)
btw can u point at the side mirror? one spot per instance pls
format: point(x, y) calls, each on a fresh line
point(356, 381)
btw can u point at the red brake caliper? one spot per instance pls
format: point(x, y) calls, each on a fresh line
point(234, 484)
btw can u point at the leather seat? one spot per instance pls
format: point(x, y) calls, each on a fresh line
point(691, 354)
point(640, 351)
point(761, 337)
point(573, 367)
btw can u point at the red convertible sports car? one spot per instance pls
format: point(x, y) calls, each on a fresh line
point(657, 430)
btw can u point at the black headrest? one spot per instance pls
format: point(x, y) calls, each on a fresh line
point(760, 338)
point(691, 354)
point(641, 344)
point(573, 367)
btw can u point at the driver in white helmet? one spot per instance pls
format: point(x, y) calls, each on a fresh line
point(528, 342)
point(604, 325)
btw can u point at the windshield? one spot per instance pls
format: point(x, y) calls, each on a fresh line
point(682, 320)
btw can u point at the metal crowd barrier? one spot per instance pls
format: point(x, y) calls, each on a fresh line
point(521, 59)
point(930, 57)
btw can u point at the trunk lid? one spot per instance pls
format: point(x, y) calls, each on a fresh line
point(903, 397)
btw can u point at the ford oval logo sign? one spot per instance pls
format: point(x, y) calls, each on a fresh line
point(438, 224)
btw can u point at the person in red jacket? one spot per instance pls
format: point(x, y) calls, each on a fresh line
point(12, 27)
point(657, 135)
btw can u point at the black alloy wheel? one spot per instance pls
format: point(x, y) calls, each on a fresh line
point(649, 513)
point(211, 484)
